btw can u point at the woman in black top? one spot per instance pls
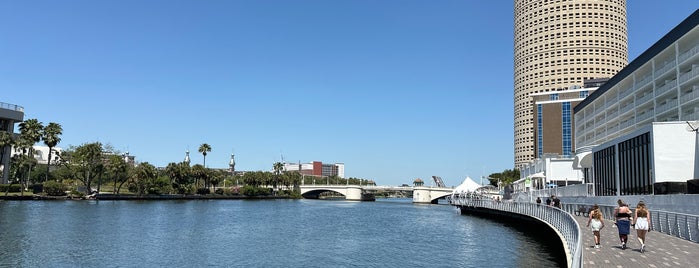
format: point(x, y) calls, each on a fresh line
point(622, 216)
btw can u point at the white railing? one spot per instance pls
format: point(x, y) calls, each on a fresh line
point(665, 68)
point(689, 97)
point(689, 75)
point(644, 116)
point(644, 99)
point(689, 53)
point(11, 107)
point(626, 92)
point(562, 221)
point(685, 226)
point(627, 123)
point(666, 87)
point(644, 81)
point(666, 106)
point(626, 108)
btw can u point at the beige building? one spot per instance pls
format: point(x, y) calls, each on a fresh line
point(558, 45)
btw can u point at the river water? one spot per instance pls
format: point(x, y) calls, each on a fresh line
point(259, 233)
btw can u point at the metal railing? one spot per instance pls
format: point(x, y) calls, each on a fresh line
point(685, 226)
point(13, 107)
point(563, 222)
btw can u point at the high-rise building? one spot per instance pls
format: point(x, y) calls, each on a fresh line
point(558, 44)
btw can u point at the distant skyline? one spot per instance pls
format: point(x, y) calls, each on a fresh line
point(395, 90)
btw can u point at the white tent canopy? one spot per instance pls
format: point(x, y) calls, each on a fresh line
point(467, 186)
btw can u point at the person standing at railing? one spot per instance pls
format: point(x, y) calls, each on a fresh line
point(556, 201)
point(622, 216)
point(597, 220)
point(641, 223)
point(538, 200)
point(548, 200)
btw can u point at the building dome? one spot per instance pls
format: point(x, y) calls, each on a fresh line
point(418, 180)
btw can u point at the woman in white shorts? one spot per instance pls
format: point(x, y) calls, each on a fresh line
point(641, 223)
point(596, 223)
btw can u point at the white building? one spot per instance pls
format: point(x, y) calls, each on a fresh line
point(630, 134)
point(41, 154)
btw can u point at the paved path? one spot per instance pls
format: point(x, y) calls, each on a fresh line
point(661, 250)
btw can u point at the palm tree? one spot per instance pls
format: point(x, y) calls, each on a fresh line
point(51, 136)
point(29, 134)
point(203, 149)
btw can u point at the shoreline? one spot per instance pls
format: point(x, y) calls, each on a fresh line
point(137, 197)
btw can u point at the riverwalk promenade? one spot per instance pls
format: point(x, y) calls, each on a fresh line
point(662, 250)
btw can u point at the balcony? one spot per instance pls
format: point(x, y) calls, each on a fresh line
point(689, 75)
point(626, 108)
point(612, 100)
point(665, 107)
point(644, 116)
point(662, 70)
point(689, 53)
point(626, 92)
point(689, 96)
point(626, 123)
point(643, 81)
point(666, 87)
point(645, 98)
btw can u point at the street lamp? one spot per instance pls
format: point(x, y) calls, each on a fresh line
point(694, 127)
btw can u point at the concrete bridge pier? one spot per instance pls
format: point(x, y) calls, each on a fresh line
point(429, 195)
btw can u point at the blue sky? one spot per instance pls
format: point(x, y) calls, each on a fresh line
point(394, 89)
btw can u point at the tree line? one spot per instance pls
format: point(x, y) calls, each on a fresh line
point(94, 165)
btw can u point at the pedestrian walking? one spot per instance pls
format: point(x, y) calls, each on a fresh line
point(641, 223)
point(622, 219)
point(556, 202)
point(538, 200)
point(596, 223)
point(548, 201)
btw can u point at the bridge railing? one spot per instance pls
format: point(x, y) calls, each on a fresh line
point(685, 226)
point(563, 222)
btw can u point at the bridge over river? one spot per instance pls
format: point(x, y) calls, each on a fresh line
point(421, 194)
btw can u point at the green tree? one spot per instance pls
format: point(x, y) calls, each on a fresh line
point(180, 176)
point(85, 163)
point(505, 177)
point(145, 178)
point(204, 149)
point(199, 173)
point(29, 134)
point(119, 171)
point(51, 136)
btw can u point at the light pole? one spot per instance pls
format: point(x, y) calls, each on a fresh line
point(694, 127)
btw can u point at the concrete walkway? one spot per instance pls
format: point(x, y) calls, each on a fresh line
point(661, 250)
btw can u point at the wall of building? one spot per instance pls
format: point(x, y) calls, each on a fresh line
point(673, 150)
point(559, 44)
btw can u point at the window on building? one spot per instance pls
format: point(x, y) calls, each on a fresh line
point(553, 96)
point(539, 130)
point(567, 129)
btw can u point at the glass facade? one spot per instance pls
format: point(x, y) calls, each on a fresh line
point(634, 167)
point(567, 129)
point(539, 131)
point(605, 167)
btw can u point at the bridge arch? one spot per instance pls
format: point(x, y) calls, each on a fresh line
point(315, 194)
